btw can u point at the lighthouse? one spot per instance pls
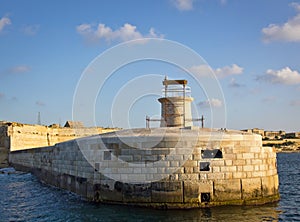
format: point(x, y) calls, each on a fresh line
point(176, 104)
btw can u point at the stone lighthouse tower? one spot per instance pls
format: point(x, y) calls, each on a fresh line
point(176, 104)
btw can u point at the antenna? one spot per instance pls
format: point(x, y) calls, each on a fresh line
point(39, 118)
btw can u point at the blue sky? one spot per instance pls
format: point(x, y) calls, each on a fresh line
point(252, 46)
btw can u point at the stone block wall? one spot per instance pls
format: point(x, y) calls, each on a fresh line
point(17, 136)
point(4, 146)
point(234, 169)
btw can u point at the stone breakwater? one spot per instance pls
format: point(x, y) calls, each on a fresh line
point(173, 168)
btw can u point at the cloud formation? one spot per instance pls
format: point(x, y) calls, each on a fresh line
point(183, 5)
point(234, 84)
point(213, 103)
point(229, 70)
point(102, 32)
point(205, 70)
point(287, 32)
point(285, 76)
point(4, 21)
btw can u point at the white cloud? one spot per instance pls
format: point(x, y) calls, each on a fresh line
point(183, 5)
point(19, 69)
point(283, 76)
point(228, 71)
point(4, 21)
point(2, 95)
point(213, 103)
point(201, 70)
point(289, 31)
point(30, 29)
point(102, 32)
point(234, 84)
point(205, 70)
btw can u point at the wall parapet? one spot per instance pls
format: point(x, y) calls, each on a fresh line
point(17, 136)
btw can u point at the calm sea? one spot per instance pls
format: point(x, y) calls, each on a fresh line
point(24, 198)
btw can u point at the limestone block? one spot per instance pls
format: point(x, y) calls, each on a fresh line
point(197, 156)
point(184, 151)
point(216, 169)
point(136, 193)
point(216, 176)
point(251, 188)
point(108, 190)
point(126, 158)
point(175, 157)
point(248, 168)
point(231, 156)
point(228, 162)
point(263, 167)
point(228, 168)
point(239, 175)
point(229, 175)
point(81, 186)
point(167, 192)
point(255, 149)
point(191, 163)
point(193, 190)
point(227, 150)
point(248, 155)
point(174, 163)
point(215, 162)
point(268, 186)
point(184, 177)
point(190, 170)
point(256, 161)
point(238, 162)
point(225, 190)
point(203, 176)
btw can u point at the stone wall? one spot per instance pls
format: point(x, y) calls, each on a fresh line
point(226, 170)
point(4, 146)
point(17, 136)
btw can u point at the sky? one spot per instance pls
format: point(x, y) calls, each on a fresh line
point(252, 47)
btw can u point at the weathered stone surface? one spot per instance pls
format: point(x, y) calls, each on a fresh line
point(227, 190)
point(251, 188)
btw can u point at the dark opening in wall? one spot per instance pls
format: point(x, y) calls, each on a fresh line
point(205, 197)
point(97, 166)
point(208, 154)
point(107, 155)
point(204, 166)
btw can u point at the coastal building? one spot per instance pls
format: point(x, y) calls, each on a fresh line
point(274, 134)
point(293, 135)
point(256, 131)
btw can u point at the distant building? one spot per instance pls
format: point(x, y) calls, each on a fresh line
point(293, 135)
point(258, 131)
point(274, 134)
point(74, 124)
point(267, 134)
point(255, 130)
